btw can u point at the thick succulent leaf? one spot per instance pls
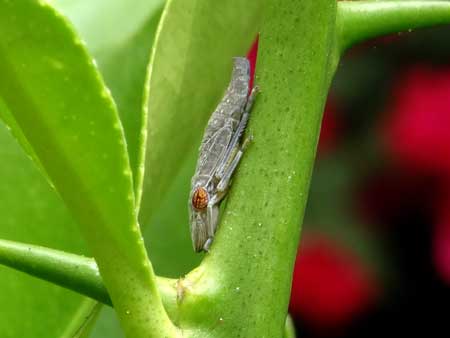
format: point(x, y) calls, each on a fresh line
point(11, 124)
point(120, 36)
point(51, 87)
point(120, 42)
point(58, 100)
point(31, 211)
point(122, 53)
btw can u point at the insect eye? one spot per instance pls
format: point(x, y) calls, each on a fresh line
point(200, 199)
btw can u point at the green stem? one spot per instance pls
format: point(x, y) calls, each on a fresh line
point(249, 268)
point(361, 20)
point(74, 272)
point(77, 273)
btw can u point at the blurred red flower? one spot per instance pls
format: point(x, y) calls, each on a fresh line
point(330, 285)
point(441, 239)
point(417, 126)
point(390, 194)
point(417, 134)
point(330, 129)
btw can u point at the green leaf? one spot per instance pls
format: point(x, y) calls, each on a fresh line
point(51, 86)
point(30, 211)
point(121, 42)
point(83, 320)
point(122, 59)
point(9, 120)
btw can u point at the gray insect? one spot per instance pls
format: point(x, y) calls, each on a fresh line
point(220, 153)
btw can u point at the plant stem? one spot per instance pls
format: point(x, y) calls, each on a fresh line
point(74, 272)
point(361, 20)
point(242, 287)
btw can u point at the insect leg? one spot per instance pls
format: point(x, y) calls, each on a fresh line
point(207, 244)
point(251, 99)
point(212, 217)
point(230, 152)
point(224, 182)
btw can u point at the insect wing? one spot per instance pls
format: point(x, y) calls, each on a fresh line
point(233, 103)
point(213, 151)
